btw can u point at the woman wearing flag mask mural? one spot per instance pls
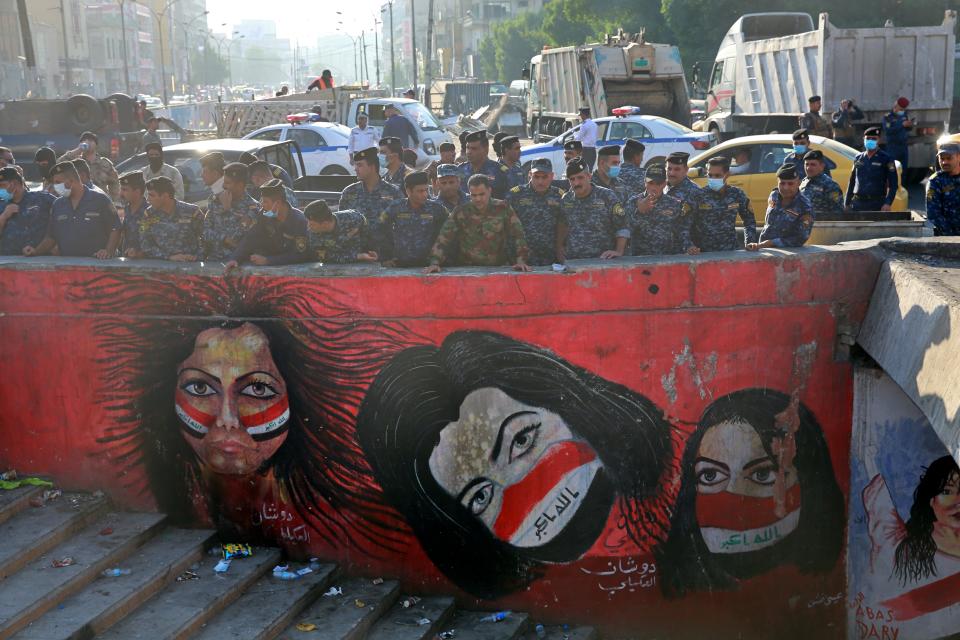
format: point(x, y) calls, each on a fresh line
point(505, 458)
point(757, 491)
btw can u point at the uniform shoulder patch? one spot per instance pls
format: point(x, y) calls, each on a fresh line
point(504, 168)
point(515, 190)
point(618, 209)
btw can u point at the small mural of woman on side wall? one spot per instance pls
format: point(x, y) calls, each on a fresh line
point(757, 491)
point(504, 458)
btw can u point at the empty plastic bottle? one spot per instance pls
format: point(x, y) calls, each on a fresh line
point(116, 572)
point(495, 617)
point(541, 632)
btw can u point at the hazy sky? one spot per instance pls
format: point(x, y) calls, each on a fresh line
point(293, 20)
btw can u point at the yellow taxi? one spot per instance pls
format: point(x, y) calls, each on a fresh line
point(761, 156)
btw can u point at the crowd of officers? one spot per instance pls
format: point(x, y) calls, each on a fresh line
point(463, 210)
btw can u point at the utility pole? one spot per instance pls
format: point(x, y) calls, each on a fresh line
point(126, 58)
point(67, 76)
point(363, 60)
point(376, 49)
point(428, 59)
point(393, 68)
point(413, 43)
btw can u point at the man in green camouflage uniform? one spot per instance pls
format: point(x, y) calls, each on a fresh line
point(102, 172)
point(230, 215)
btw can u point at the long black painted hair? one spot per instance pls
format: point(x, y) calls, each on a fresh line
point(685, 562)
point(147, 324)
point(915, 555)
point(420, 392)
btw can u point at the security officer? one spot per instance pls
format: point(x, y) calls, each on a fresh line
point(661, 222)
point(337, 238)
point(608, 170)
point(592, 221)
point(460, 159)
point(83, 222)
point(873, 182)
point(102, 171)
point(371, 195)
point(632, 173)
point(510, 152)
point(497, 146)
point(448, 191)
point(157, 167)
point(678, 184)
point(448, 155)
point(801, 145)
point(261, 174)
point(280, 235)
point(715, 219)
point(391, 157)
point(169, 229)
point(813, 122)
point(276, 170)
point(24, 215)
point(211, 173)
point(896, 131)
point(572, 149)
point(824, 194)
point(943, 192)
point(478, 162)
point(587, 135)
point(480, 232)
point(789, 218)
point(133, 191)
point(538, 206)
point(230, 216)
point(44, 159)
point(409, 227)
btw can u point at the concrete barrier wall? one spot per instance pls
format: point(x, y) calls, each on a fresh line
point(622, 446)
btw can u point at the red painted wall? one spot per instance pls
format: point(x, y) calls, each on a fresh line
point(77, 342)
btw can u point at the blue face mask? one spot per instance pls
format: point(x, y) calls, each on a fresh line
point(715, 183)
point(267, 213)
point(383, 159)
point(870, 144)
point(5, 195)
point(613, 171)
point(799, 148)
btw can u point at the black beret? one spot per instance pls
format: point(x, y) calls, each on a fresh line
point(477, 136)
point(10, 173)
point(81, 165)
point(573, 145)
point(719, 161)
point(634, 145)
point(63, 167)
point(369, 154)
point(541, 164)
point(45, 154)
point(392, 143)
point(801, 133)
point(236, 171)
point(317, 211)
point(872, 131)
point(508, 141)
point(272, 188)
point(89, 135)
point(247, 158)
point(656, 173)
point(416, 178)
point(214, 160)
point(133, 179)
point(787, 172)
point(609, 150)
point(816, 154)
point(153, 145)
point(814, 99)
point(500, 135)
point(678, 157)
point(575, 166)
point(447, 146)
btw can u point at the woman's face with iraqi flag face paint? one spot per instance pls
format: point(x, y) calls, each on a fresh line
point(741, 505)
point(231, 400)
point(517, 468)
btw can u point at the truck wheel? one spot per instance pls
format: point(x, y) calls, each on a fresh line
point(84, 112)
point(334, 170)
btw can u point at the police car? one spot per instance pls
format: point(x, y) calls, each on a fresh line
point(323, 144)
point(660, 136)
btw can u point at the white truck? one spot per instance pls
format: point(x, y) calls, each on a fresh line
point(769, 64)
point(623, 71)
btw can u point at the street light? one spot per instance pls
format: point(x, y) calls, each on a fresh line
point(159, 16)
point(355, 42)
point(187, 26)
point(393, 68)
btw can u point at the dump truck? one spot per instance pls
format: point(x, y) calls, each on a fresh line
point(769, 64)
point(625, 70)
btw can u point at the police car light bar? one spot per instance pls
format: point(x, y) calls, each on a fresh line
point(626, 111)
point(298, 118)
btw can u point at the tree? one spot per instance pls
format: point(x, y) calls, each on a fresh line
point(208, 67)
point(488, 59)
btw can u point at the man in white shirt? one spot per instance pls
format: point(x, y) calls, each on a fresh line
point(362, 137)
point(587, 135)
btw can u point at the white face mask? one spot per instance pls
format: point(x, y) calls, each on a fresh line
point(61, 189)
point(217, 187)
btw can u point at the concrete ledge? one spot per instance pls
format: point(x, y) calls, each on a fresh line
point(943, 247)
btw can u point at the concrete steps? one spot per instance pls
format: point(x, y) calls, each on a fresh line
point(167, 588)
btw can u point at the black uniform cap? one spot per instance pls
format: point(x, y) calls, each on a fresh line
point(816, 154)
point(634, 145)
point(575, 166)
point(801, 133)
point(10, 173)
point(447, 146)
point(393, 144)
point(213, 160)
point(949, 148)
point(153, 145)
point(273, 189)
point(872, 131)
point(477, 136)
point(719, 161)
point(463, 136)
point(787, 172)
point(133, 179)
point(656, 173)
point(497, 139)
point(89, 135)
point(318, 211)
point(678, 157)
point(814, 99)
point(45, 154)
point(542, 165)
point(416, 178)
point(573, 145)
point(237, 171)
point(508, 141)
point(369, 154)
point(609, 150)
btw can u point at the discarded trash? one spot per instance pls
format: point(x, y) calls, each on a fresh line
point(359, 604)
point(446, 635)
point(51, 494)
point(63, 562)
point(106, 531)
point(334, 591)
point(306, 626)
point(314, 564)
point(286, 575)
point(116, 572)
point(415, 622)
point(222, 566)
point(282, 572)
point(231, 551)
point(378, 581)
point(187, 575)
point(9, 475)
point(423, 621)
point(97, 494)
point(495, 617)
point(540, 631)
point(409, 601)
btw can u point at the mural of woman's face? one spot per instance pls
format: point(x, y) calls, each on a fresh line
point(518, 469)
point(737, 505)
point(232, 400)
point(946, 506)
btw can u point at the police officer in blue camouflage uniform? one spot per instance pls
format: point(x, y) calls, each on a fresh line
point(678, 184)
point(510, 153)
point(478, 162)
point(715, 219)
point(661, 222)
point(230, 215)
point(260, 174)
point(537, 204)
point(448, 191)
point(280, 235)
point(592, 221)
point(632, 172)
point(824, 194)
point(169, 229)
point(24, 215)
point(943, 192)
point(371, 195)
point(896, 132)
point(133, 194)
point(571, 149)
point(608, 170)
point(391, 160)
point(789, 218)
point(873, 182)
point(337, 238)
point(801, 145)
point(409, 227)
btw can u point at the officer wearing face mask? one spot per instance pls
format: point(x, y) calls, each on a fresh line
point(158, 168)
point(715, 217)
point(801, 145)
point(24, 215)
point(280, 235)
point(873, 182)
point(84, 222)
point(608, 171)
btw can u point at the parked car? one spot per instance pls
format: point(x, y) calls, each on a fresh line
point(323, 144)
point(767, 153)
point(660, 136)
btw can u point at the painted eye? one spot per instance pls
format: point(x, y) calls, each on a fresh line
point(480, 499)
point(711, 476)
point(523, 442)
point(260, 390)
point(198, 388)
point(764, 476)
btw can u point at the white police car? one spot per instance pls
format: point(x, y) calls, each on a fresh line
point(660, 137)
point(323, 145)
